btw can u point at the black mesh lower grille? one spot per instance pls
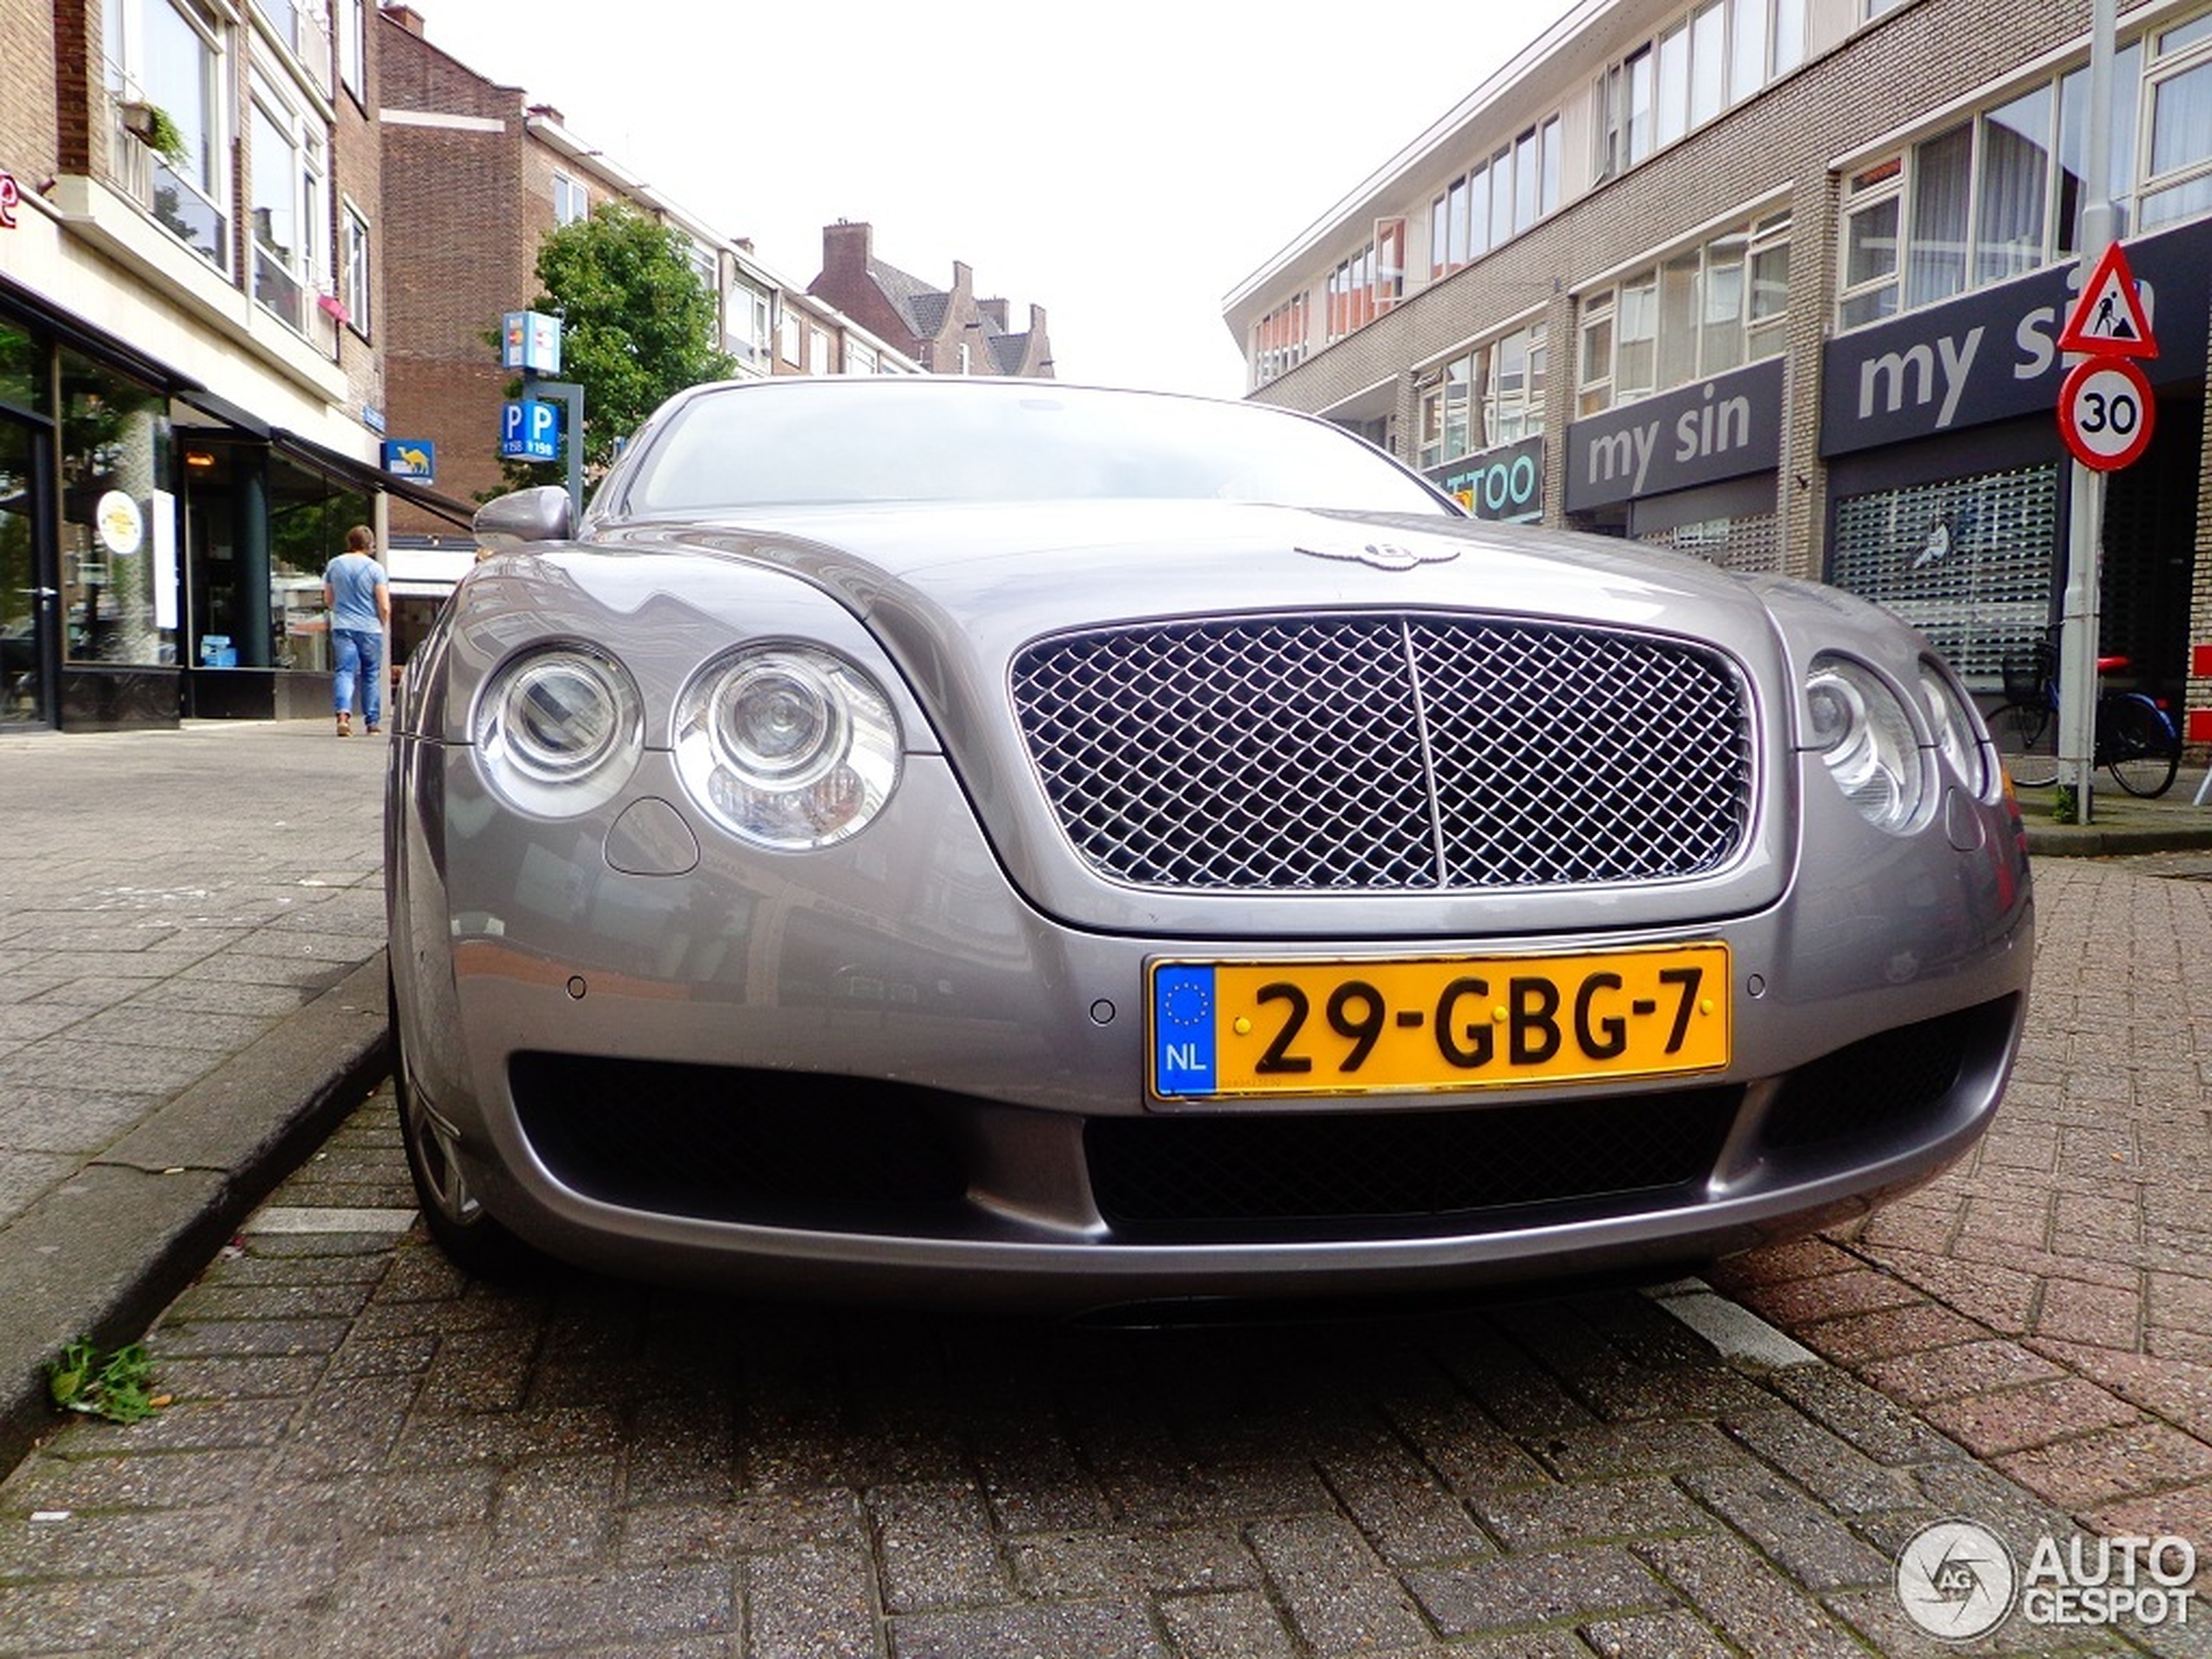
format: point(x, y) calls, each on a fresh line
point(737, 1145)
point(1885, 1082)
point(1412, 1171)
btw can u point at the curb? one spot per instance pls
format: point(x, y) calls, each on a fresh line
point(101, 1254)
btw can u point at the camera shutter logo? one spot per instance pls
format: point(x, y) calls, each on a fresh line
point(1955, 1581)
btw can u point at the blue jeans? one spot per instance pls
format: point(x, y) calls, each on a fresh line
point(360, 652)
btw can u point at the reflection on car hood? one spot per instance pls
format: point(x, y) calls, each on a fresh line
point(999, 575)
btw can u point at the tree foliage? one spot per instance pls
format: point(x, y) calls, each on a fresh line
point(637, 326)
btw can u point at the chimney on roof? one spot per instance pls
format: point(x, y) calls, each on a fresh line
point(407, 16)
point(547, 112)
point(996, 310)
point(846, 248)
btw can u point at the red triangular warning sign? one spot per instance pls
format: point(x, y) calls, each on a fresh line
point(2107, 320)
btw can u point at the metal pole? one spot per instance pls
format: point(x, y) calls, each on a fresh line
point(2078, 620)
point(570, 395)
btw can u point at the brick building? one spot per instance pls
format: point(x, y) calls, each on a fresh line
point(191, 384)
point(477, 176)
point(1778, 282)
point(947, 331)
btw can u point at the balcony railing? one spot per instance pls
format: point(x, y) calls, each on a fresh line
point(142, 174)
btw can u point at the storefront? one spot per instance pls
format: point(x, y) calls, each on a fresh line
point(1694, 468)
point(1949, 486)
point(161, 552)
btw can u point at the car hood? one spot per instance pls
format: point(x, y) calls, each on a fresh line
point(952, 594)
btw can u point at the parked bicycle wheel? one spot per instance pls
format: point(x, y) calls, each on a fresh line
point(2028, 739)
point(2137, 745)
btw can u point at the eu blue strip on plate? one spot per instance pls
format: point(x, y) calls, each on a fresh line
point(1182, 1031)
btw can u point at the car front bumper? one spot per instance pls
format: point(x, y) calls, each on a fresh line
point(877, 1070)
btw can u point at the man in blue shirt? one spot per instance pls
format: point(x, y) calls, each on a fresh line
point(361, 609)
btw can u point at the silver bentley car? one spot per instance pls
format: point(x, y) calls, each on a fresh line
point(1044, 846)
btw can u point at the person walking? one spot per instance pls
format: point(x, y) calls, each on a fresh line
point(361, 609)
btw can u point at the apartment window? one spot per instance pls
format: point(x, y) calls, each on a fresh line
point(303, 27)
point(705, 263)
point(860, 360)
point(820, 359)
point(2178, 170)
point(1369, 282)
point(1279, 341)
point(571, 201)
point(2002, 192)
point(355, 257)
point(290, 205)
point(746, 328)
point(1491, 395)
point(1699, 312)
point(1488, 204)
point(791, 340)
point(173, 53)
point(1717, 54)
point(352, 27)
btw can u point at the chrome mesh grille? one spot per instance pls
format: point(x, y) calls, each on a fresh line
point(1383, 753)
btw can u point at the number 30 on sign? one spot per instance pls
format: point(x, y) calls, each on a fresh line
point(2105, 412)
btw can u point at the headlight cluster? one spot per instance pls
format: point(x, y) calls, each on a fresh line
point(786, 745)
point(783, 744)
point(559, 730)
point(1958, 733)
point(1866, 735)
point(1863, 731)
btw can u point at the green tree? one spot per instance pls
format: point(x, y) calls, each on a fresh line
point(637, 326)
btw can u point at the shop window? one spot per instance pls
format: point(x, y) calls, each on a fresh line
point(1967, 561)
point(118, 519)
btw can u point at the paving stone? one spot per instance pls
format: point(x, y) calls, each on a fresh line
point(812, 1603)
point(1817, 1550)
point(1539, 1589)
point(1098, 1631)
point(1339, 1595)
point(1090, 1566)
point(1236, 1624)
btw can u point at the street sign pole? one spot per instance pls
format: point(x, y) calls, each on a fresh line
point(571, 394)
point(2078, 619)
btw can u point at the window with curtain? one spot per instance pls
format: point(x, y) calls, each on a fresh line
point(2013, 174)
point(1935, 266)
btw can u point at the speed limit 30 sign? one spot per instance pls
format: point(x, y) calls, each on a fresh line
point(2105, 412)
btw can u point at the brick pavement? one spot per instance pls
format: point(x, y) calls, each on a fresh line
point(2048, 1302)
point(369, 1455)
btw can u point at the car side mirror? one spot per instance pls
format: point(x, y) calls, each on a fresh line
point(540, 515)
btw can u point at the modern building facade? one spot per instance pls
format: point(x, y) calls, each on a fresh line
point(191, 388)
point(1779, 282)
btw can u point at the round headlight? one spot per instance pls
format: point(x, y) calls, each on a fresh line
point(558, 730)
point(1958, 730)
point(1865, 737)
point(786, 745)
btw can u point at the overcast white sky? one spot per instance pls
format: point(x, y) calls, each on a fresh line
point(1124, 165)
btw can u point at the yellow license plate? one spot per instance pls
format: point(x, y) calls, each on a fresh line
point(1335, 1027)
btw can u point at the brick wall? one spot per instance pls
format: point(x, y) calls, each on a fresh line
point(30, 131)
point(463, 210)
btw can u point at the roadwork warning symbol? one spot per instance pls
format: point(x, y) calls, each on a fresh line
point(2109, 321)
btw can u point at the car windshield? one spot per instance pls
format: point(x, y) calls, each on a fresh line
point(845, 442)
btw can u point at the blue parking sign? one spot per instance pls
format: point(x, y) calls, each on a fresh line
point(529, 430)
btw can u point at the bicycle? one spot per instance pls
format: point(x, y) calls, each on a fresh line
point(2135, 741)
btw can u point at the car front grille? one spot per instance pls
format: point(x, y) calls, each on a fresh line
point(1459, 1171)
point(1382, 753)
